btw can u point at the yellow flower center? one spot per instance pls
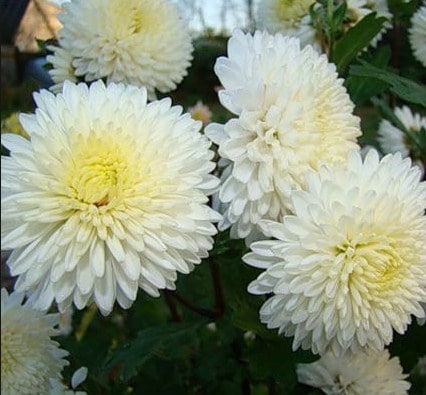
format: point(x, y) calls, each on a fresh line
point(374, 263)
point(100, 172)
point(293, 9)
point(132, 17)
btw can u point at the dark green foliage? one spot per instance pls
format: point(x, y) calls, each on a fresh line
point(404, 88)
point(356, 39)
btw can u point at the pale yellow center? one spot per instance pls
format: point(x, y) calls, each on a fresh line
point(100, 172)
point(376, 264)
point(292, 9)
point(133, 17)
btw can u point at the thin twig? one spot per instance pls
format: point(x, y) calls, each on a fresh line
point(217, 287)
point(197, 309)
point(171, 304)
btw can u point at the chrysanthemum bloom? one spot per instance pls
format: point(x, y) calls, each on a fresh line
point(355, 374)
point(109, 195)
point(29, 357)
point(293, 18)
point(12, 125)
point(392, 139)
point(293, 114)
point(289, 18)
point(350, 265)
point(140, 42)
point(418, 34)
point(201, 112)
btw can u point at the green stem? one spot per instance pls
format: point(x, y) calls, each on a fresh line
point(171, 304)
point(187, 303)
point(217, 287)
point(330, 9)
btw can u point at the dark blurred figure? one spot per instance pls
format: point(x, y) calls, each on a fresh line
point(22, 21)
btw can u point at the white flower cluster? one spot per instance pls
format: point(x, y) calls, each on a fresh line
point(293, 18)
point(346, 265)
point(109, 194)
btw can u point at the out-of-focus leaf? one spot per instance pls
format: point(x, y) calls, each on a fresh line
point(410, 346)
point(404, 88)
point(276, 360)
point(356, 39)
point(362, 89)
point(165, 341)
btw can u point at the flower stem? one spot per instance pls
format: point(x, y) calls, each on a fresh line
point(187, 303)
point(217, 287)
point(171, 304)
point(330, 8)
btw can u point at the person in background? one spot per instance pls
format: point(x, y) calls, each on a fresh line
point(23, 22)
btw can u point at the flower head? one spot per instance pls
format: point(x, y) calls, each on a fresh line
point(108, 196)
point(140, 42)
point(392, 139)
point(293, 18)
point(29, 357)
point(288, 17)
point(293, 114)
point(201, 112)
point(418, 34)
point(349, 266)
point(354, 374)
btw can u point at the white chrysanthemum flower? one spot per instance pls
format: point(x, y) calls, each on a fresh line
point(139, 42)
point(293, 18)
point(62, 70)
point(394, 140)
point(29, 357)
point(358, 9)
point(418, 34)
point(288, 17)
point(355, 374)
point(109, 195)
point(293, 115)
point(350, 265)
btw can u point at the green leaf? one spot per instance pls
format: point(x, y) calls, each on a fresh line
point(409, 347)
point(277, 360)
point(356, 39)
point(339, 16)
point(403, 87)
point(362, 89)
point(163, 341)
